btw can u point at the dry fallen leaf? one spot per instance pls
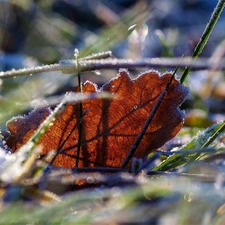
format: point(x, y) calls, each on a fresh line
point(111, 125)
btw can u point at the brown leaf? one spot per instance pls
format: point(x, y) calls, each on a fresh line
point(111, 125)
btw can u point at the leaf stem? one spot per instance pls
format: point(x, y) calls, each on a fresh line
point(80, 125)
point(205, 35)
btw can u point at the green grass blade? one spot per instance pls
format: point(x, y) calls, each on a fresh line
point(205, 36)
point(202, 140)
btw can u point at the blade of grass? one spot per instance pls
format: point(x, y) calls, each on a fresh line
point(202, 140)
point(205, 36)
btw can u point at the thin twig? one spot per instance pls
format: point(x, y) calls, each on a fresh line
point(80, 125)
point(70, 67)
point(53, 67)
